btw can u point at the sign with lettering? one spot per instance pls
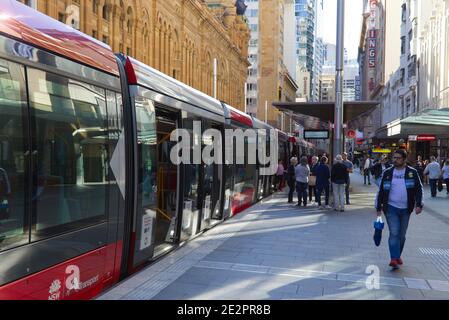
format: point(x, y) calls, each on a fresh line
point(316, 134)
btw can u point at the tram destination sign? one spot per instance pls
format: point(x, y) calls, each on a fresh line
point(316, 134)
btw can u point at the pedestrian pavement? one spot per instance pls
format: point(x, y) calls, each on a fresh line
point(278, 251)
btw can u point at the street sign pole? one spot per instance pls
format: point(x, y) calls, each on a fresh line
point(339, 66)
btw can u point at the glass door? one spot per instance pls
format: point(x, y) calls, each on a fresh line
point(167, 181)
point(191, 181)
point(211, 177)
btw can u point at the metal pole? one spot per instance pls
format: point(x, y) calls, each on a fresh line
point(266, 111)
point(291, 117)
point(338, 119)
point(246, 98)
point(215, 78)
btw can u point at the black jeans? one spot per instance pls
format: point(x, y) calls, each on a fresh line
point(433, 187)
point(447, 184)
point(366, 174)
point(347, 190)
point(312, 191)
point(319, 191)
point(291, 186)
point(302, 192)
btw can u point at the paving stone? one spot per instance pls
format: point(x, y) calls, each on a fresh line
point(439, 285)
point(419, 284)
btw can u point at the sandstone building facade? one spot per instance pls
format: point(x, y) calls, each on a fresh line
point(178, 37)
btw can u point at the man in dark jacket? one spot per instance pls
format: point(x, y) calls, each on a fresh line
point(400, 191)
point(339, 178)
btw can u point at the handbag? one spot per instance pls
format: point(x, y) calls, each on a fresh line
point(378, 227)
point(312, 181)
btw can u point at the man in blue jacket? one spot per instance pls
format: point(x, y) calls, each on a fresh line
point(323, 175)
point(400, 192)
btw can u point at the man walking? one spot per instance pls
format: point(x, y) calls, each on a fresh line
point(400, 191)
point(433, 169)
point(339, 177)
point(366, 169)
point(350, 168)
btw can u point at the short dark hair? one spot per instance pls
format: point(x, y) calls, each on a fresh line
point(402, 153)
point(324, 160)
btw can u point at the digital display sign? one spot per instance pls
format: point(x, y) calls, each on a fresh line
point(316, 134)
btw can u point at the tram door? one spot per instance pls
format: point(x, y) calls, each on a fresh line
point(211, 178)
point(260, 178)
point(191, 182)
point(167, 181)
point(157, 182)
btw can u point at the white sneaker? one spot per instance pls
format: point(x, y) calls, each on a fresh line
point(328, 207)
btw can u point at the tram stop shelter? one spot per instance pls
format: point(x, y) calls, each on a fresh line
point(318, 115)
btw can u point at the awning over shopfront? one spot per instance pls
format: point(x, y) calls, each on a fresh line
point(428, 122)
point(317, 115)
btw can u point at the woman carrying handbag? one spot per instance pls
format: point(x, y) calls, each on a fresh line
point(312, 179)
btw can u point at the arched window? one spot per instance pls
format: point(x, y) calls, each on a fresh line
point(129, 18)
point(105, 12)
point(95, 6)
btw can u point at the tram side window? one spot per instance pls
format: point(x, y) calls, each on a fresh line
point(146, 153)
point(13, 135)
point(70, 122)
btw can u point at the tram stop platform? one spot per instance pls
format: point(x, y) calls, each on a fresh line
point(275, 250)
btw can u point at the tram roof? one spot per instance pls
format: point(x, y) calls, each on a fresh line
point(160, 82)
point(258, 124)
point(237, 115)
point(28, 25)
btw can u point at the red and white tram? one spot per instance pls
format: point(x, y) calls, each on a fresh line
point(88, 192)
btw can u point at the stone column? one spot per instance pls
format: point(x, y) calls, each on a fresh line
point(156, 48)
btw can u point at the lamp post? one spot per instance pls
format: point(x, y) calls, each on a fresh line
point(215, 78)
point(339, 66)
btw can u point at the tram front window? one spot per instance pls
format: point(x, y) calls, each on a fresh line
point(13, 136)
point(71, 137)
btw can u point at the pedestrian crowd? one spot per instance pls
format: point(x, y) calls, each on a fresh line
point(313, 180)
point(431, 172)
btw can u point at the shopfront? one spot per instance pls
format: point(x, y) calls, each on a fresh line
point(425, 134)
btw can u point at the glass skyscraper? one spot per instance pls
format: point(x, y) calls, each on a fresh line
point(306, 20)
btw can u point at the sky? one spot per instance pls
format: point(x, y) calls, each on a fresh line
point(353, 19)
